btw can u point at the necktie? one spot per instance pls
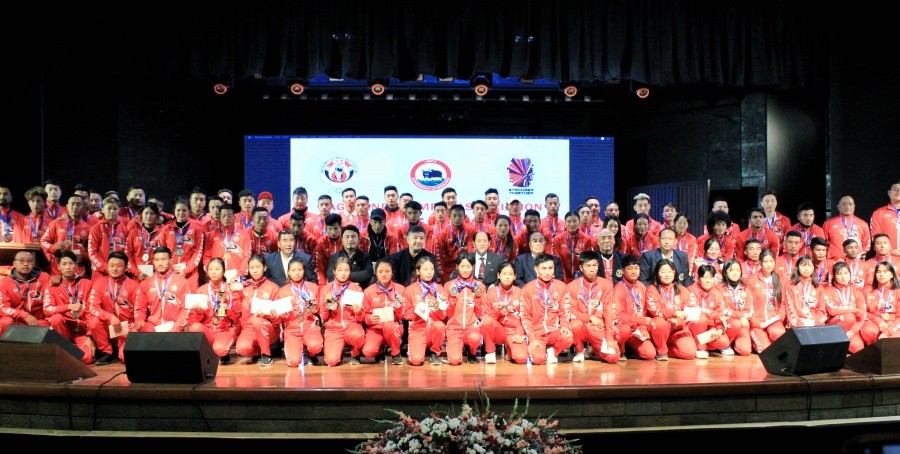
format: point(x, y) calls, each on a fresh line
point(481, 268)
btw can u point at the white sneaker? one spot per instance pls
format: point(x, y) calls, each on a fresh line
point(578, 358)
point(702, 354)
point(551, 356)
point(727, 351)
point(490, 358)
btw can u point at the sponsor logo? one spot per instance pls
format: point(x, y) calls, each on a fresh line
point(521, 172)
point(338, 170)
point(430, 174)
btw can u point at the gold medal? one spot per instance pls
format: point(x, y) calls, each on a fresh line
point(479, 290)
point(228, 256)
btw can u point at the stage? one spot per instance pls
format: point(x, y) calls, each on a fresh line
point(345, 402)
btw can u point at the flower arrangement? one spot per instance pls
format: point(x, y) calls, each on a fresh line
point(473, 430)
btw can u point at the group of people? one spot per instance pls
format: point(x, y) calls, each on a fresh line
point(385, 282)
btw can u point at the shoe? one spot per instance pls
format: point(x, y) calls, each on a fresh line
point(397, 360)
point(104, 359)
point(265, 361)
point(471, 359)
point(490, 358)
point(727, 351)
point(623, 357)
point(702, 354)
point(662, 357)
point(254, 359)
point(578, 358)
point(354, 360)
point(444, 359)
point(225, 359)
point(435, 359)
point(551, 356)
point(379, 358)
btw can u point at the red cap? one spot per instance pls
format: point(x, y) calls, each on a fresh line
point(265, 195)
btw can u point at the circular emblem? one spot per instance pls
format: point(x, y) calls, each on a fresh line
point(338, 170)
point(619, 273)
point(430, 174)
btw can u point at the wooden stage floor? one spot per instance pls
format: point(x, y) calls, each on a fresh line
point(347, 400)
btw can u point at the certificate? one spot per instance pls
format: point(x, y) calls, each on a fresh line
point(385, 314)
point(706, 336)
point(768, 322)
point(146, 270)
point(164, 327)
point(352, 298)
point(196, 301)
point(692, 313)
point(113, 333)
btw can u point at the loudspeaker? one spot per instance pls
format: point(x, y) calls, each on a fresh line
point(882, 357)
point(807, 350)
point(39, 354)
point(27, 334)
point(169, 358)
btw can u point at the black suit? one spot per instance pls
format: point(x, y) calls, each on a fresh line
point(405, 265)
point(682, 267)
point(492, 261)
point(615, 272)
point(525, 272)
point(275, 267)
point(360, 267)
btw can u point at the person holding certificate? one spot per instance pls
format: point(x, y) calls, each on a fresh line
point(302, 327)
point(341, 312)
point(770, 303)
point(260, 317)
point(112, 300)
point(845, 304)
point(464, 311)
point(160, 298)
point(591, 311)
point(738, 309)
point(666, 303)
point(424, 306)
point(709, 328)
point(218, 320)
point(383, 306)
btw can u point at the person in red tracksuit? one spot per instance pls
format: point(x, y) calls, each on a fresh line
point(186, 239)
point(108, 235)
point(806, 227)
point(770, 302)
point(784, 266)
point(666, 300)
point(35, 223)
point(641, 239)
point(591, 311)
point(805, 293)
point(142, 240)
point(719, 224)
point(551, 224)
point(503, 241)
point(258, 330)
point(343, 322)
point(328, 245)
point(544, 314)
point(9, 218)
point(69, 232)
point(845, 226)
point(424, 306)
point(65, 306)
point(757, 230)
point(385, 294)
point(569, 244)
point(775, 221)
point(21, 293)
point(218, 322)
point(845, 304)
point(631, 322)
point(302, 328)
point(452, 241)
point(263, 235)
point(502, 322)
point(160, 298)
point(464, 312)
point(886, 220)
point(230, 243)
point(112, 302)
point(881, 246)
point(882, 302)
point(709, 298)
point(738, 309)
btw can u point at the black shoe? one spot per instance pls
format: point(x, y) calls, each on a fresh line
point(265, 361)
point(354, 360)
point(471, 359)
point(254, 359)
point(313, 360)
point(435, 359)
point(104, 359)
point(225, 359)
point(379, 359)
point(397, 360)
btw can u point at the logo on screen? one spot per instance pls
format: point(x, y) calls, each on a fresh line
point(521, 172)
point(338, 170)
point(430, 174)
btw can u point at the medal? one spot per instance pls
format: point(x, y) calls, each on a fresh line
point(479, 290)
point(145, 257)
point(228, 256)
point(215, 320)
point(179, 252)
point(454, 291)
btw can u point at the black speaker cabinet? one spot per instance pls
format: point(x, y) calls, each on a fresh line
point(882, 357)
point(169, 358)
point(27, 334)
point(807, 350)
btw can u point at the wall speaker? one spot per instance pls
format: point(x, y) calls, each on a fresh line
point(39, 354)
point(882, 357)
point(807, 350)
point(169, 358)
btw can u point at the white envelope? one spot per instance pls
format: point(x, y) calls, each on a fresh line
point(114, 334)
point(147, 270)
point(352, 298)
point(692, 313)
point(283, 305)
point(768, 322)
point(164, 327)
point(196, 300)
point(606, 349)
point(179, 267)
point(230, 274)
point(706, 336)
point(385, 314)
point(422, 310)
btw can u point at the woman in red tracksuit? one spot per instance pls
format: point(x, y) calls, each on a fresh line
point(302, 329)
point(464, 312)
point(666, 300)
point(424, 305)
point(219, 320)
point(258, 331)
point(709, 297)
point(770, 303)
point(384, 294)
point(502, 321)
point(343, 323)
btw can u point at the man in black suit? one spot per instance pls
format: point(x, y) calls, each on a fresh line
point(610, 258)
point(524, 264)
point(277, 262)
point(487, 264)
point(667, 250)
point(361, 270)
point(404, 261)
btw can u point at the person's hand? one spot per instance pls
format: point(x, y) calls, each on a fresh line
point(374, 318)
point(566, 332)
point(138, 324)
point(31, 320)
point(517, 338)
point(596, 321)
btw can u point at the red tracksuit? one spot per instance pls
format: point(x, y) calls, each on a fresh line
point(766, 309)
point(66, 229)
point(502, 320)
point(31, 228)
point(255, 335)
point(220, 319)
point(712, 305)
point(342, 325)
point(668, 330)
point(768, 238)
point(451, 241)
point(568, 246)
point(463, 318)
point(190, 240)
point(325, 248)
point(105, 237)
point(139, 247)
point(384, 332)
point(21, 296)
point(160, 299)
point(231, 244)
point(841, 228)
point(301, 329)
point(62, 320)
point(427, 332)
point(886, 220)
point(846, 306)
point(543, 316)
point(738, 309)
point(592, 318)
point(882, 310)
point(808, 234)
point(631, 322)
point(112, 297)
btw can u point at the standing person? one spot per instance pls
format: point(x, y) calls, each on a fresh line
point(186, 238)
point(503, 241)
point(684, 240)
point(317, 226)
point(551, 224)
point(66, 309)
point(668, 214)
point(328, 245)
point(21, 292)
point(227, 196)
point(343, 322)
point(718, 225)
point(360, 266)
point(452, 241)
point(591, 312)
point(425, 302)
point(464, 311)
point(770, 304)
point(69, 232)
point(492, 200)
point(303, 241)
point(584, 220)
point(793, 244)
point(108, 235)
point(806, 226)
point(823, 265)
point(641, 206)
point(881, 247)
point(631, 321)
point(394, 216)
point(33, 225)
point(882, 301)
point(95, 202)
point(479, 221)
point(640, 239)
point(159, 303)
point(136, 199)
point(211, 220)
point(544, 314)
point(514, 211)
point(807, 305)
point(361, 213)
point(258, 331)
point(775, 221)
point(348, 211)
point(112, 301)
point(615, 226)
point(246, 202)
point(532, 221)
point(54, 199)
point(263, 235)
point(378, 240)
point(738, 309)
point(525, 264)
point(610, 259)
point(720, 205)
point(569, 244)
point(502, 322)
point(611, 209)
point(666, 250)
point(380, 332)
point(299, 199)
point(278, 262)
point(845, 226)
point(141, 241)
point(301, 329)
point(757, 230)
point(9, 218)
point(485, 260)
point(448, 198)
point(859, 268)
point(404, 261)
point(197, 200)
point(708, 295)
point(845, 304)
point(593, 203)
point(440, 221)
point(750, 264)
point(886, 219)
point(413, 211)
point(666, 300)
point(229, 242)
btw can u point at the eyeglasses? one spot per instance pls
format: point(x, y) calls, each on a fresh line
point(24, 260)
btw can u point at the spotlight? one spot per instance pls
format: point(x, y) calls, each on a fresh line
point(642, 92)
point(481, 83)
point(378, 87)
point(297, 88)
point(570, 90)
point(220, 88)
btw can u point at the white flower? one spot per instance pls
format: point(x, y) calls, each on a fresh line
point(414, 444)
point(453, 423)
